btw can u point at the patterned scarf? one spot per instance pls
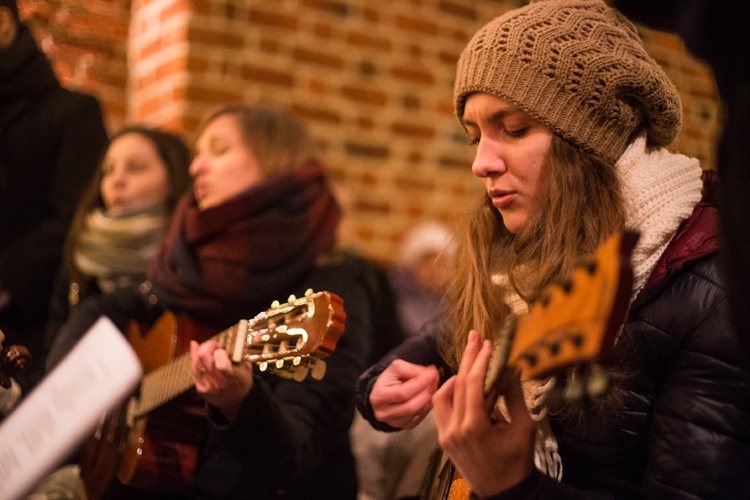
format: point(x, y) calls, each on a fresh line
point(117, 248)
point(230, 261)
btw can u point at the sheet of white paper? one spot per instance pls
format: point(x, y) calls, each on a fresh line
point(98, 374)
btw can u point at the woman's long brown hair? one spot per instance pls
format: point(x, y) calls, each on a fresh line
point(583, 207)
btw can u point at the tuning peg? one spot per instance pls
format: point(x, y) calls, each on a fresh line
point(291, 298)
point(308, 292)
point(280, 363)
point(300, 373)
point(275, 304)
point(598, 381)
point(318, 369)
point(573, 390)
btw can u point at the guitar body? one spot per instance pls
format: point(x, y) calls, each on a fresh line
point(157, 449)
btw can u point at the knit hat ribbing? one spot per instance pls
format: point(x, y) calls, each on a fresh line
point(578, 67)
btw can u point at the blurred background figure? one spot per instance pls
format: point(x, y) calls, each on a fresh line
point(392, 465)
point(50, 141)
point(116, 233)
point(420, 275)
point(121, 219)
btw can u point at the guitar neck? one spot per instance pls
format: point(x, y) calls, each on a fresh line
point(289, 340)
point(165, 383)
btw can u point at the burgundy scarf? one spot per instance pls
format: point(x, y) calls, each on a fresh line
point(220, 264)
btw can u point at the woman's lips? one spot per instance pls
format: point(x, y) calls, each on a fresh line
point(501, 199)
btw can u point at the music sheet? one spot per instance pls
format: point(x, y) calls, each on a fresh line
point(55, 418)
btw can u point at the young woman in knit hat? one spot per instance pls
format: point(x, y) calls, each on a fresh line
point(570, 120)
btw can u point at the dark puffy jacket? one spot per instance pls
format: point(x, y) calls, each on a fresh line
point(684, 428)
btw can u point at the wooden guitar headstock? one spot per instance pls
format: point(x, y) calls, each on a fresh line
point(573, 322)
point(293, 338)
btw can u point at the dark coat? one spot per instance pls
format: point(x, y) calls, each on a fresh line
point(51, 140)
point(684, 428)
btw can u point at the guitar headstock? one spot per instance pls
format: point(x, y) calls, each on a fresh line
point(573, 322)
point(291, 339)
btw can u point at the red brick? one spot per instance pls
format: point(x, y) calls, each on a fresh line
point(369, 206)
point(371, 14)
point(412, 130)
point(177, 8)
point(359, 39)
point(414, 184)
point(417, 25)
point(264, 17)
point(227, 41)
point(323, 30)
point(448, 58)
point(415, 211)
point(414, 157)
point(365, 123)
point(340, 8)
point(362, 94)
point(368, 179)
point(267, 75)
point(317, 57)
point(317, 114)
point(150, 49)
point(196, 64)
point(148, 107)
point(458, 9)
point(414, 75)
point(317, 86)
point(212, 94)
point(170, 68)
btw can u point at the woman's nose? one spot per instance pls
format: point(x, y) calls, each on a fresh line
point(488, 160)
point(196, 165)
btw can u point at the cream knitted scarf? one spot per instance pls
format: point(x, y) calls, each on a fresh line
point(116, 248)
point(660, 190)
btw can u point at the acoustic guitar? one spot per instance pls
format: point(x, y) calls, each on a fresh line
point(149, 444)
point(573, 322)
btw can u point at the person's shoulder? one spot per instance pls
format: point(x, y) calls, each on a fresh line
point(77, 99)
point(690, 301)
point(344, 260)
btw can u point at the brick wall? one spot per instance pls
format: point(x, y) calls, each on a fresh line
point(373, 80)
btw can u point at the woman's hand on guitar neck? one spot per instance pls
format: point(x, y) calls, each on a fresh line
point(223, 384)
point(402, 395)
point(491, 455)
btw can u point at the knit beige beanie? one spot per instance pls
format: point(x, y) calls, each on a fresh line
point(577, 66)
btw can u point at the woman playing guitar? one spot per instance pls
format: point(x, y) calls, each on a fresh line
point(570, 120)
